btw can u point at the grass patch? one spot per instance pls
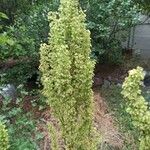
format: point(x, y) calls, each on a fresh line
point(117, 106)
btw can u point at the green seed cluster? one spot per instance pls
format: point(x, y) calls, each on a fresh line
point(67, 72)
point(137, 105)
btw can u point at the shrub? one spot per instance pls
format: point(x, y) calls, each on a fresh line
point(4, 142)
point(27, 33)
point(67, 72)
point(109, 22)
point(137, 107)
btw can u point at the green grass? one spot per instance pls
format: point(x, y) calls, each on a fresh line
point(117, 106)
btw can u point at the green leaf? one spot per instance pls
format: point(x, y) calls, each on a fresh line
point(4, 16)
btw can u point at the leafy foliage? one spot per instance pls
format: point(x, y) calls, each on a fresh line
point(19, 73)
point(109, 21)
point(28, 31)
point(20, 124)
point(4, 38)
point(144, 5)
point(15, 8)
point(4, 142)
point(67, 74)
point(137, 106)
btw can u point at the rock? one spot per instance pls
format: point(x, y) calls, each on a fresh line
point(97, 81)
point(106, 84)
point(147, 79)
point(109, 78)
point(119, 84)
point(117, 81)
point(122, 77)
point(8, 91)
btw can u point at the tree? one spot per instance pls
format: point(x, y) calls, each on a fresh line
point(67, 72)
point(109, 21)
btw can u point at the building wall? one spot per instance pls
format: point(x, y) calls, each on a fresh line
point(139, 38)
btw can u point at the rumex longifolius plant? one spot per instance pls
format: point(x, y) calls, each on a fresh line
point(137, 106)
point(67, 72)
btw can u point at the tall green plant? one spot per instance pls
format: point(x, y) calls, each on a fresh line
point(137, 106)
point(67, 72)
point(4, 142)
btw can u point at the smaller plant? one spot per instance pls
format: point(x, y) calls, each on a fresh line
point(4, 142)
point(137, 106)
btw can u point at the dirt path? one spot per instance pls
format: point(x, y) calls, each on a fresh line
point(106, 124)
